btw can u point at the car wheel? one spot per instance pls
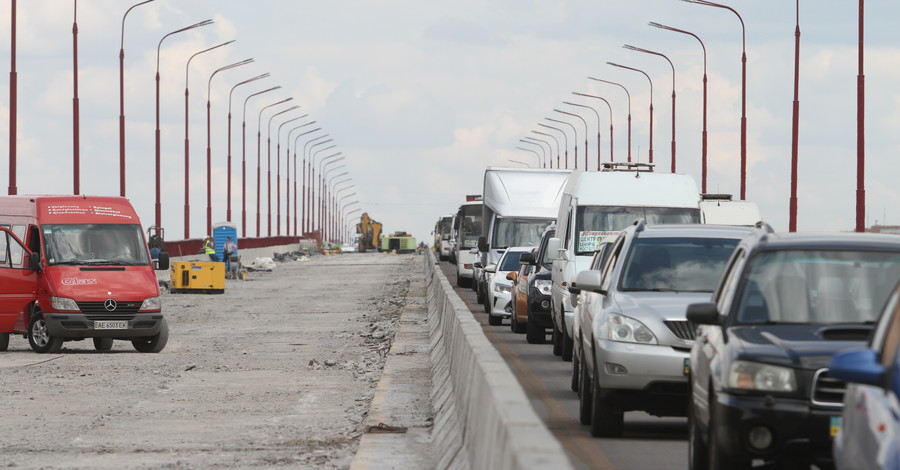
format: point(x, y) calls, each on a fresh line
point(4, 341)
point(698, 453)
point(566, 344)
point(717, 458)
point(557, 344)
point(479, 296)
point(606, 419)
point(585, 393)
point(576, 365)
point(39, 336)
point(534, 333)
point(103, 344)
point(520, 328)
point(153, 344)
point(461, 281)
point(494, 320)
point(512, 322)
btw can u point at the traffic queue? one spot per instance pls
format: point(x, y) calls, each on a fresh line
point(684, 304)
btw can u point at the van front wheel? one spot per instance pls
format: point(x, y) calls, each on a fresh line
point(153, 344)
point(4, 341)
point(39, 336)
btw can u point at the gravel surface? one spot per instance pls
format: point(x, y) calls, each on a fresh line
point(277, 372)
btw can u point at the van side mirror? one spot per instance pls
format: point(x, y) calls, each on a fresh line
point(705, 313)
point(34, 262)
point(162, 263)
point(482, 244)
point(554, 245)
point(527, 258)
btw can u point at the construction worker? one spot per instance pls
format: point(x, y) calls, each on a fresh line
point(210, 249)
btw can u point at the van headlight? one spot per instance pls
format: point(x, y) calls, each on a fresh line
point(628, 330)
point(544, 286)
point(64, 303)
point(746, 375)
point(152, 303)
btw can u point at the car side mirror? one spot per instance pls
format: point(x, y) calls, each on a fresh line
point(34, 262)
point(705, 313)
point(589, 280)
point(554, 247)
point(482, 244)
point(858, 366)
point(512, 276)
point(527, 258)
point(491, 268)
point(162, 263)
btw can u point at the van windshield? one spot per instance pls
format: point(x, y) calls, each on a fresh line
point(511, 231)
point(469, 225)
point(594, 223)
point(99, 244)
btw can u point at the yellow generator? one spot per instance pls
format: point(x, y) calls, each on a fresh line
point(197, 277)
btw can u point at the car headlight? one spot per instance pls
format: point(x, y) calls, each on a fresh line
point(63, 303)
point(629, 330)
point(747, 375)
point(152, 303)
point(544, 286)
point(502, 288)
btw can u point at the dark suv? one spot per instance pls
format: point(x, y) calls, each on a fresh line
point(539, 290)
point(760, 387)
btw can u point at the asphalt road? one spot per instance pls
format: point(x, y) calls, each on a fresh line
point(648, 443)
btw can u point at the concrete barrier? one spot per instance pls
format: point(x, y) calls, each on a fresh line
point(483, 418)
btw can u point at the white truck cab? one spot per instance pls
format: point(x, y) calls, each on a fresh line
point(722, 209)
point(597, 204)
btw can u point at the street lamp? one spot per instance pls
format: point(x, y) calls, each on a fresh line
point(542, 157)
point(259, 160)
point(158, 176)
point(304, 191)
point(743, 89)
point(532, 151)
point(324, 193)
point(230, 95)
point(287, 216)
point(76, 106)
point(651, 101)
point(861, 127)
point(548, 157)
point(586, 131)
point(244, 159)
point(121, 97)
point(269, 164)
point(565, 143)
point(187, 152)
point(611, 154)
point(349, 224)
point(209, 144)
point(647, 51)
point(795, 127)
point(703, 161)
point(627, 94)
point(557, 146)
point(575, 144)
point(287, 154)
point(311, 188)
point(576, 138)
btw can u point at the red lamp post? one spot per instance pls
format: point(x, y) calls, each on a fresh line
point(307, 182)
point(704, 147)
point(576, 137)
point(312, 179)
point(557, 146)
point(13, 107)
point(646, 51)
point(651, 101)
point(303, 195)
point(586, 131)
point(287, 151)
point(259, 160)
point(244, 159)
point(743, 90)
point(611, 152)
point(76, 145)
point(534, 152)
point(121, 98)
point(269, 166)
point(861, 128)
point(230, 96)
point(627, 94)
point(328, 200)
point(548, 156)
point(795, 127)
point(287, 197)
point(565, 142)
point(575, 144)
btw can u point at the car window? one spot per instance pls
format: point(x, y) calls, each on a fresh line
point(725, 291)
point(891, 334)
point(816, 286)
point(510, 261)
point(544, 259)
point(610, 264)
point(676, 264)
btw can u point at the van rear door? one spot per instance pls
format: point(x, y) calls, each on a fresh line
point(18, 282)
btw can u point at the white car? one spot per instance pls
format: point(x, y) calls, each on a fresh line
point(498, 298)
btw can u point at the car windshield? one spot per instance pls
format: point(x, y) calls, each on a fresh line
point(593, 223)
point(102, 244)
point(823, 287)
point(511, 231)
point(470, 225)
point(510, 261)
point(676, 264)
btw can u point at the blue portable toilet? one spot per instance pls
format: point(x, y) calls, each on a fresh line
point(221, 231)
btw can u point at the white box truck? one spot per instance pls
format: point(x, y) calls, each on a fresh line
point(722, 209)
point(519, 203)
point(597, 204)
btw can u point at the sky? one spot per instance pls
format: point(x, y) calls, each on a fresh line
point(421, 97)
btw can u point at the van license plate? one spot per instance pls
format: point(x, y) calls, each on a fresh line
point(110, 325)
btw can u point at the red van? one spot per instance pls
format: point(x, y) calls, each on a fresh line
point(77, 267)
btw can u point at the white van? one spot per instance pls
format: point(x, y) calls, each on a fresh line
point(597, 204)
point(468, 229)
point(721, 209)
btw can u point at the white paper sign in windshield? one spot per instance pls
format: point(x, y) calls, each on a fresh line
point(588, 241)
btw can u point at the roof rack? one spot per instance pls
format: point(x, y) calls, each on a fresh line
point(627, 166)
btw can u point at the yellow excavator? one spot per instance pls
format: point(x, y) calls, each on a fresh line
point(369, 231)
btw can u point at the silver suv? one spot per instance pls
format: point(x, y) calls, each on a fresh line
point(633, 340)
